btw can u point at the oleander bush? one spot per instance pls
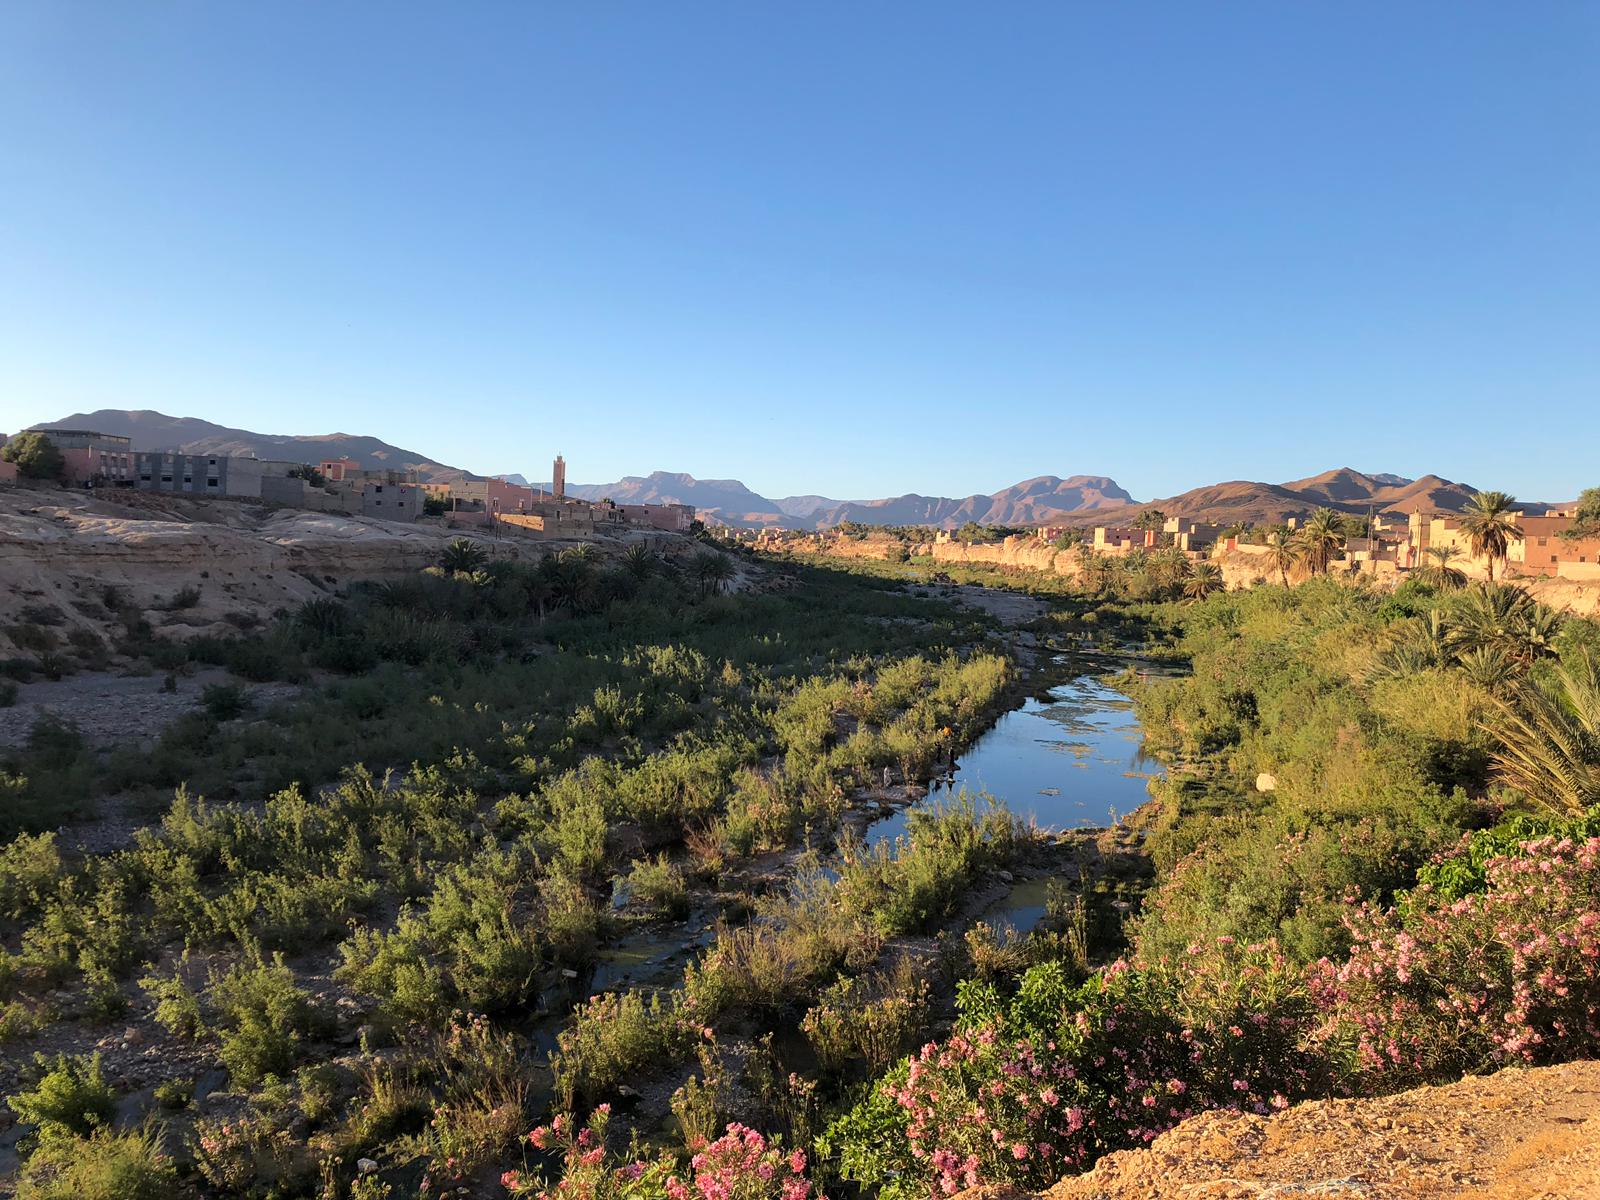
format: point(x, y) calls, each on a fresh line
point(1446, 983)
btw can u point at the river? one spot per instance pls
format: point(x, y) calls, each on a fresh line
point(1068, 758)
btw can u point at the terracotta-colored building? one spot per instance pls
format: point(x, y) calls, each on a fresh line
point(93, 459)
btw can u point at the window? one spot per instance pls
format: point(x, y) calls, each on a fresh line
point(212, 482)
point(166, 478)
point(211, 462)
point(1544, 541)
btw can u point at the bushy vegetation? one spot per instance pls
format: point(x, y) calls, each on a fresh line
point(380, 906)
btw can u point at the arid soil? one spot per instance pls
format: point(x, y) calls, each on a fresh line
point(67, 558)
point(1520, 1134)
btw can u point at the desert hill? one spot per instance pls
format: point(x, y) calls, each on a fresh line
point(1345, 490)
point(1044, 500)
point(152, 430)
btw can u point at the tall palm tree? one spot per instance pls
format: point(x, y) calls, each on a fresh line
point(1320, 539)
point(1203, 580)
point(1490, 523)
point(1550, 739)
point(1438, 572)
point(1282, 554)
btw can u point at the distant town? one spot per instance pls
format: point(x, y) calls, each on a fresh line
point(111, 462)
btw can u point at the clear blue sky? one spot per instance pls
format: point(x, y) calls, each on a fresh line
point(854, 248)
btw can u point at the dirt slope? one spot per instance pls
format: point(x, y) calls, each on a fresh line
point(1516, 1135)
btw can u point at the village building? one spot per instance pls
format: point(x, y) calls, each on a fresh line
point(93, 459)
point(208, 474)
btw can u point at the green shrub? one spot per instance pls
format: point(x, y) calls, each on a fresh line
point(907, 886)
point(614, 1038)
point(870, 1021)
point(69, 1098)
point(264, 1018)
point(177, 1007)
point(658, 884)
point(103, 1166)
point(184, 598)
point(30, 869)
point(225, 701)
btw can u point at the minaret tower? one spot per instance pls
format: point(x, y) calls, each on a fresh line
point(558, 478)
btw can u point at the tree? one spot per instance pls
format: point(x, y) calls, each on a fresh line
point(1587, 523)
point(1282, 554)
point(1320, 540)
point(1438, 572)
point(1151, 520)
point(1490, 523)
point(638, 562)
point(1550, 739)
point(461, 556)
point(1505, 618)
point(712, 570)
point(35, 454)
point(1203, 580)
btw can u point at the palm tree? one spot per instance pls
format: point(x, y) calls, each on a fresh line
point(638, 561)
point(1282, 554)
point(1490, 667)
point(1203, 580)
point(1550, 739)
point(712, 570)
point(1321, 539)
point(722, 572)
point(1415, 645)
point(1505, 618)
point(461, 556)
point(1490, 523)
point(1439, 573)
point(1151, 520)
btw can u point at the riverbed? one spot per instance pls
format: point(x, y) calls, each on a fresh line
point(1070, 757)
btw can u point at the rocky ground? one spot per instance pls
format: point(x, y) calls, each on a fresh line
point(1521, 1134)
point(73, 563)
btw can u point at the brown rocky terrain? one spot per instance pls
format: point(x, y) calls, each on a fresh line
point(1520, 1134)
point(73, 564)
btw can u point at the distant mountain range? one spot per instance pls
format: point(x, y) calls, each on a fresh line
point(1045, 500)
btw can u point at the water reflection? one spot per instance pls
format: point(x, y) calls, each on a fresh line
point(1071, 757)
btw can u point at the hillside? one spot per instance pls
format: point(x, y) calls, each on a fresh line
point(1513, 1135)
point(189, 435)
point(1040, 501)
point(1044, 500)
point(1346, 490)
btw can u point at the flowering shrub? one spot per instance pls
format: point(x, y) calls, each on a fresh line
point(740, 1165)
point(587, 1171)
point(1445, 984)
point(743, 1165)
point(1031, 1089)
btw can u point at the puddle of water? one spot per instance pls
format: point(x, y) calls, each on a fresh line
point(1068, 758)
point(1023, 907)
